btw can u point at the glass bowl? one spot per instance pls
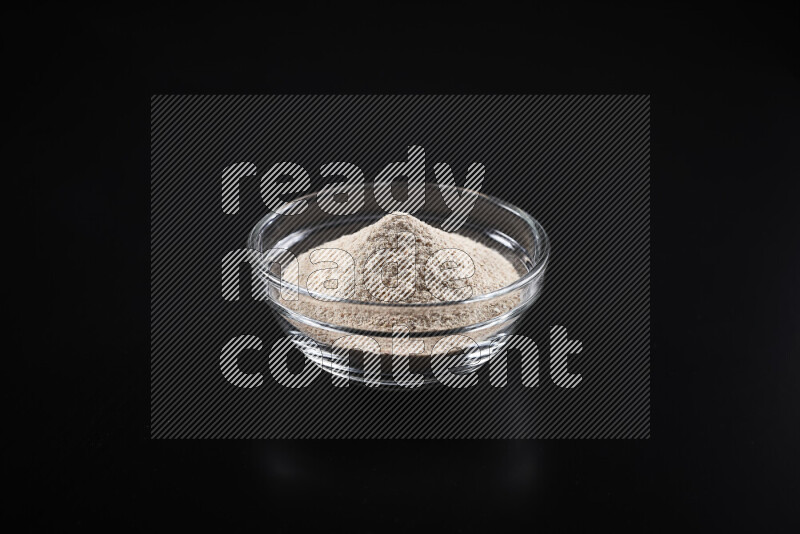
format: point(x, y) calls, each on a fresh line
point(395, 355)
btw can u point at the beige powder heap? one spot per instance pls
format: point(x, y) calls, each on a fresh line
point(360, 271)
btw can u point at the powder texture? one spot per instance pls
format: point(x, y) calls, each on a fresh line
point(369, 275)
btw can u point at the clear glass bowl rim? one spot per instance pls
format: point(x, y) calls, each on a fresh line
point(531, 276)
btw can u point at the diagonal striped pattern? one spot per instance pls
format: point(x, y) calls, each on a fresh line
point(459, 203)
point(580, 164)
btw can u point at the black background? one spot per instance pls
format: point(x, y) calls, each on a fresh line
point(591, 210)
point(725, 293)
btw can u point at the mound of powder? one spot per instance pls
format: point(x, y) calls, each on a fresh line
point(352, 276)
